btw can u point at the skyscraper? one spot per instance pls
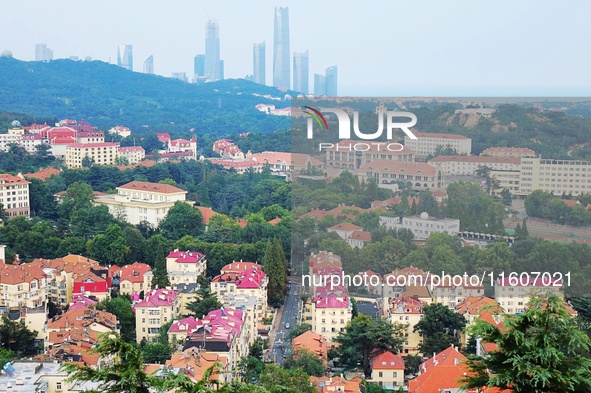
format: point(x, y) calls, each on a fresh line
point(43, 53)
point(281, 53)
point(331, 81)
point(300, 72)
point(319, 85)
point(212, 51)
point(258, 63)
point(149, 65)
point(125, 56)
point(199, 65)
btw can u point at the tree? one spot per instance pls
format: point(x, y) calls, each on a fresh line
point(275, 267)
point(110, 247)
point(5, 357)
point(539, 351)
point(363, 336)
point(160, 274)
point(16, 337)
point(524, 231)
point(279, 380)
point(87, 162)
point(301, 358)
point(120, 306)
point(182, 219)
point(205, 302)
point(299, 329)
point(440, 328)
point(125, 374)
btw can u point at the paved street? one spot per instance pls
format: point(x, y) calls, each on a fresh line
point(289, 315)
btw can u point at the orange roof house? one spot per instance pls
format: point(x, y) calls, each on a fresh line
point(312, 342)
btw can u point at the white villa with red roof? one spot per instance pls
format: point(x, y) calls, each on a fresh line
point(180, 149)
point(139, 201)
point(184, 267)
point(387, 370)
point(354, 236)
point(133, 154)
point(158, 307)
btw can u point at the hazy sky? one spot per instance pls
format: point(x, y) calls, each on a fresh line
point(393, 48)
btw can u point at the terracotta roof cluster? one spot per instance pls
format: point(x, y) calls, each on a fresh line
point(475, 305)
point(129, 149)
point(20, 274)
point(251, 278)
point(324, 259)
point(195, 363)
point(221, 325)
point(336, 384)
point(406, 305)
point(206, 213)
point(82, 318)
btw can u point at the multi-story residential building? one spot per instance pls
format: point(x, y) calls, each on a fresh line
point(506, 180)
point(241, 167)
point(89, 137)
point(387, 370)
point(418, 174)
point(354, 236)
point(508, 152)
point(555, 176)
point(335, 384)
point(21, 286)
point(197, 365)
point(407, 311)
point(514, 294)
point(239, 284)
point(158, 308)
point(285, 164)
point(225, 333)
point(133, 154)
point(80, 154)
point(8, 139)
point(139, 201)
point(450, 295)
point(351, 155)
point(133, 279)
point(93, 285)
point(187, 295)
point(422, 226)
point(14, 195)
point(31, 141)
point(427, 143)
point(184, 267)
point(469, 165)
point(329, 311)
point(179, 149)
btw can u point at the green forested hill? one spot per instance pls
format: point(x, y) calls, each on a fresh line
point(107, 95)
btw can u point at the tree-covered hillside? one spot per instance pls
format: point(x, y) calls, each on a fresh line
point(107, 95)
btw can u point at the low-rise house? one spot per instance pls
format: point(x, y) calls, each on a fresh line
point(422, 226)
point(336, 384)
point(133, 279)
point(387, 370)
point(195, 364)
point(133, 154)
point(312, 342)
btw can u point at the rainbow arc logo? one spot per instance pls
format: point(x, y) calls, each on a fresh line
point(316, 115)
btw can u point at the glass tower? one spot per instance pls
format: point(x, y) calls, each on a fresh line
point(281, 53)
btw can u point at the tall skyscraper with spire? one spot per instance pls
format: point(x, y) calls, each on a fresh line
point(281, 53)
point(258, 63)
point(125, 56)
point(300, 72)
point(212, 51)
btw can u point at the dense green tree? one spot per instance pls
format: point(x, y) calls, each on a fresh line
point(279, 380)
point(120, 306)
point(41, 199)
point(363, 336)
point(541, 350)
point(6, 356)
point(110, 247)
point(160, 275)
point(136, 243)
point(275, 267)
point(205, 302)
point(310, 363)
point(440, 328)
point(182, 219)
point(299, 329)
point(16, 337)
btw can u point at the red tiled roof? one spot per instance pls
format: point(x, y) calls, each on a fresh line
point(43, 173)
point(387, 361)
point(6, 178)
point(152, 187)
point(345, 226)
point(361, 235)
point(206, 213)
point(134, 272)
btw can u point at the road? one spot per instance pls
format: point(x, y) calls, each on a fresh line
point(289, 315)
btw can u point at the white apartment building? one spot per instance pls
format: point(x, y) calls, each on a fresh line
point(421, 175)
point(513, 295)
point(14, 195)
point(133, 154)
point(468, 165)
point(555, 176)
point(104, 153)
point(141, 201)
point(184, 267)
point(422, 226)
point(427, 143)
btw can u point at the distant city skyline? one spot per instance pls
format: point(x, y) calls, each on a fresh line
point(281, 53)
point(386, 48)
point(149, 65)
point(300, 72)
point(213, 69)
point(259, 58)
point(125, 56)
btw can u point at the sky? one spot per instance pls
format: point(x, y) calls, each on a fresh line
point(381, 48)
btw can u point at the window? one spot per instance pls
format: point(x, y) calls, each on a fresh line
point(380, 374)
